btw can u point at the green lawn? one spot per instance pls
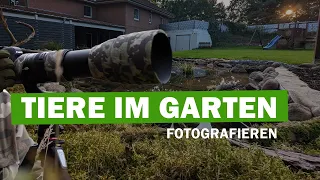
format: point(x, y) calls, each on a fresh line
point(253, 53)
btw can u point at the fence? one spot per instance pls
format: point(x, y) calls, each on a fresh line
point(311, 26)
point(185, 25)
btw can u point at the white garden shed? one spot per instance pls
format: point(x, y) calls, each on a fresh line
point(188, 35)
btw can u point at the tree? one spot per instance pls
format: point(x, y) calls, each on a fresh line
point(272, 11)
point(206, 10)
point(237, 11)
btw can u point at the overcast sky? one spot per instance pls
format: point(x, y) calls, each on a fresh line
point(226, 2)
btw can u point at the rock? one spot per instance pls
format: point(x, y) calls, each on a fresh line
point(210, 65)
point(224, 65)
point(271, 84)
point(269, 70)
point(198, 73)
point(307, 65)
point(290, 100)
point(201, 62)
point(54, 87)
point(263, 81)
point(223, 73)
point(271, 74)
point(256, 76)
point(225, 87)
point(251, 86)
point(276, 64)
point(238, 69)
point(315, 111)
point(75, 90)
point(176, 71)
point(298, 112)
point(316, 68)
point(42, 88)
point(211, 87)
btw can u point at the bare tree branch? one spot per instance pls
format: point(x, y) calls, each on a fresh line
point(3, 21)
point(14, 41)
point(29, 37)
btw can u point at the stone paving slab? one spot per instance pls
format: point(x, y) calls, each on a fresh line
point(299, 91)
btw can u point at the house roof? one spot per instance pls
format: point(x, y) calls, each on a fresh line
point(26, 10)
point(146, 4)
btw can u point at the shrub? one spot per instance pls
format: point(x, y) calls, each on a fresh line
point(52, 46)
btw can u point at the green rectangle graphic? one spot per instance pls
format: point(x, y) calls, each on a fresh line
point(150, 107)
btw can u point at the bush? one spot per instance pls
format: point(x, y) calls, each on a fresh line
point(52, 46)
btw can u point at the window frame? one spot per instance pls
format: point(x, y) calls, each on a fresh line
point(134, 18)
point(150, 17)
point(161, 20)
point(85, 11)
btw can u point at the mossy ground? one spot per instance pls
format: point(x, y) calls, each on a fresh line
point(141, 152)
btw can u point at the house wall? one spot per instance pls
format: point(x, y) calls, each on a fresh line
point(58, 31)
point(112, 13)
point(143, 24)
point(68, 7)
point(196, 36)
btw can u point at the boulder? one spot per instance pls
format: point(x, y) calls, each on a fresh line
point(199, 73)
point(251, 86)
point(269, 70)
point(271, 84)
point(42, 88)
point(256, 77)
point(271, 74)
point(210, 65)
point(298, 112)
point(75, 90)
point(276, 64)
point(260, 84)
point(238, 69)
point(315, 111)
point(224, 65)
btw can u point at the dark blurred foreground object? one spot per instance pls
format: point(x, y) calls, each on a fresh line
point(317, 48)
point(7, 73)
point(137, 58)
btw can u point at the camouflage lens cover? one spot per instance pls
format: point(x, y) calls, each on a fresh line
point(136, 58)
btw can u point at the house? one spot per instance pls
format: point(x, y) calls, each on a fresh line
point(79, 23)
point(188, 35)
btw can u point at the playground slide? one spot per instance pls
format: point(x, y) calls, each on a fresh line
point(272, 42)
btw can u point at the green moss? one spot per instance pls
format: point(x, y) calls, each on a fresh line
point(296, 136)
point(139, 152)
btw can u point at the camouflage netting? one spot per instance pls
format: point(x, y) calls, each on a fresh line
point(14, 140)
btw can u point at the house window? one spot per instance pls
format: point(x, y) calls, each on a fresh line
point(136, 14)
point(88, 11)
point(150, 18)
